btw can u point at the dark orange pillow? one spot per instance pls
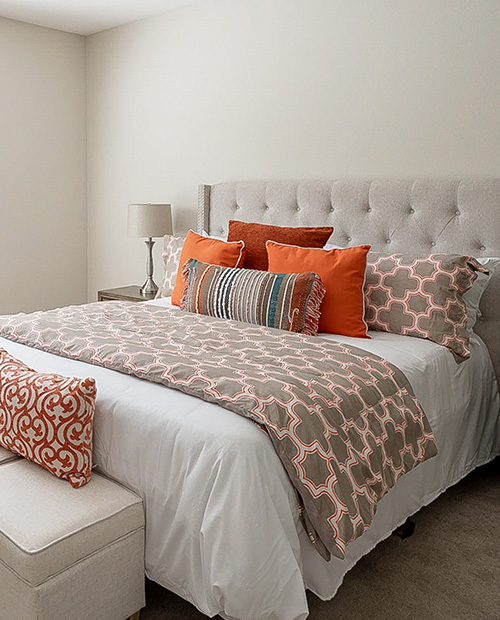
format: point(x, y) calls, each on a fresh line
point(255, 237)
point(207, 250)
point(342, 273)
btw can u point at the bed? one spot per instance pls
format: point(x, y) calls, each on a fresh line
point(222, 521)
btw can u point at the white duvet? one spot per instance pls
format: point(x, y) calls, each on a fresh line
point(222, 526)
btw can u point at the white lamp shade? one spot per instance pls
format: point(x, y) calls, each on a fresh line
point(149, 220)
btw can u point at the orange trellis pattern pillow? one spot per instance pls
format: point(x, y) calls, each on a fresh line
point(47, 419)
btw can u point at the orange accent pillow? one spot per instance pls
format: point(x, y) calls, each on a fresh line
point(342, 273)
point(255, 237)
point(47, 418)
point(207, 250)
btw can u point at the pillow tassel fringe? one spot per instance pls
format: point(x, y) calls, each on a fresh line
point(185, 288)
point(313, 313)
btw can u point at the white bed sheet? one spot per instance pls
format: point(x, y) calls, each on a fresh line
point(221, 517)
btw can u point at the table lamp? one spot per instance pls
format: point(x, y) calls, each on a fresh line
point(149, 220)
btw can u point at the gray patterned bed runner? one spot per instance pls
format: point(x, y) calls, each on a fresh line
point(344, 422)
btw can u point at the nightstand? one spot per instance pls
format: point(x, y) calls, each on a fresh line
point(123, 293)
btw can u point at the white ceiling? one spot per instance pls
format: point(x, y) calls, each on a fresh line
point(85, 16)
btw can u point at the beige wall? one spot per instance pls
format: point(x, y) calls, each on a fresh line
point(43, 222)
point(232, 89)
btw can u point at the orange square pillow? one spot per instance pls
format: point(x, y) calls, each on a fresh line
point(207, 250)
point(342, 273)
point(255, 237)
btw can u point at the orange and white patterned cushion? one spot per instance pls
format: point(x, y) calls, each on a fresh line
point(47, 419)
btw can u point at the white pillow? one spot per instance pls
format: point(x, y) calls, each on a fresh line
point(332, 246)
point(205, 234)
point(472, 297)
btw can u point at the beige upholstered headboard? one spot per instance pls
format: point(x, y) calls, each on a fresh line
point(393, 215)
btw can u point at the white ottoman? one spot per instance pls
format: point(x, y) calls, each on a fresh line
point(65, 553)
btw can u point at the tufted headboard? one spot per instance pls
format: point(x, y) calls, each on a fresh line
point(393, 215)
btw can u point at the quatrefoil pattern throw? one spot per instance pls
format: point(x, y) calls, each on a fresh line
point(344, 422)
point(421, 296)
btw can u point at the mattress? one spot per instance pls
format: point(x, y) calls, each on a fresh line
point(222, 522)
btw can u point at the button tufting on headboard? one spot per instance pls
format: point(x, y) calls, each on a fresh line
point(406, 215)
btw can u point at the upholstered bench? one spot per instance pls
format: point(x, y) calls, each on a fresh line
point(65, 553)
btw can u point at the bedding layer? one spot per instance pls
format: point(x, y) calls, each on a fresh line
point(223, 524)
point(344, 422)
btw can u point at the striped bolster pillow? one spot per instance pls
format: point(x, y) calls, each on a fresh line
point(289, 301)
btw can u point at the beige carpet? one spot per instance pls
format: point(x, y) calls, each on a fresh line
point(449, 569)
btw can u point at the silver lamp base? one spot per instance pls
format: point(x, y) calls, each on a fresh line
point(149, 288)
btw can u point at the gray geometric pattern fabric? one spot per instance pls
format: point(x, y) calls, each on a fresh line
point(172, 248)
point(421, 296)
point(344, 422)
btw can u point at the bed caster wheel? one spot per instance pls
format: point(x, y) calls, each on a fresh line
point(405, 530)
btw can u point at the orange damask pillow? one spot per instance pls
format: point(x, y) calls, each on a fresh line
point(207, 250)
point(342, 273)
point(47, 419)
point(255, 237)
